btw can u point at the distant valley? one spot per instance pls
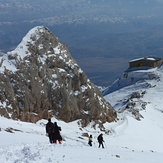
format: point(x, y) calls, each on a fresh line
point(102, 36)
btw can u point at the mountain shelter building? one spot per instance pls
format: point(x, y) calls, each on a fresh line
point(146, 62)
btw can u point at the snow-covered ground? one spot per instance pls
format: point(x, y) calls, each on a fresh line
point(133, 142)
point(130, 140)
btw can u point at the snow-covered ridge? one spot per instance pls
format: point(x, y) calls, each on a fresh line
point(137, 89)
point(22, 48)
point(9, 60)
point(133, 76)
point(21, 51)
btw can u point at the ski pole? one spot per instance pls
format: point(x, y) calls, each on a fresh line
point(105, 145)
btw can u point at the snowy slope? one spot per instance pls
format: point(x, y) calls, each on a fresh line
point(31, 145)
point(128, 141)
point(146, 133)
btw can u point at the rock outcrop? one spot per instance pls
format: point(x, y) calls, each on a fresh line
point(40, 79)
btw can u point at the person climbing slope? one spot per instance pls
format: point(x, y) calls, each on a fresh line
point(100, 140)
point(50, 130)
point(56, 134)
point(90, 140)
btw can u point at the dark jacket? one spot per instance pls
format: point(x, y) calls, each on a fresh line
point(49, 128)
point(57, 130)
point(100, 138)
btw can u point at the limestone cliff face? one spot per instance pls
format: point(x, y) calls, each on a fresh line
point(40, 79)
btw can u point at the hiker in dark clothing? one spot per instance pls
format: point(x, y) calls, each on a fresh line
point(50, 130)
point(56, 134)
point(100, 140)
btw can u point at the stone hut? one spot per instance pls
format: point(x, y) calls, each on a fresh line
point(146, 62)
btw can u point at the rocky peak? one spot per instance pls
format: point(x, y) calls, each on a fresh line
point(40, 79)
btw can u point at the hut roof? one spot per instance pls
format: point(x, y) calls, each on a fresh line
point(146, 58)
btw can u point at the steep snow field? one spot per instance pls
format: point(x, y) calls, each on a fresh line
point(132, 141)
point(129, 140)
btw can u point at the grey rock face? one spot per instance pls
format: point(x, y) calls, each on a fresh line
point(40, 79)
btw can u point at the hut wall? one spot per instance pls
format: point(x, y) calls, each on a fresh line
point(146, 63)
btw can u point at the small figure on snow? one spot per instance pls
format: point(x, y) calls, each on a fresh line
point(56, 134)
point(90, 140)
point(100, 140)
point(50, 130)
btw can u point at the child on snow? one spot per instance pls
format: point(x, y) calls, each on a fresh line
point(90, 140)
